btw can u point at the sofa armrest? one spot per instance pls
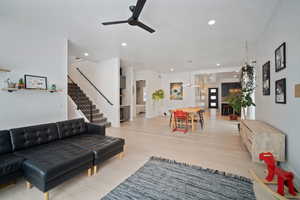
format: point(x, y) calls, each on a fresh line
point(95, 129)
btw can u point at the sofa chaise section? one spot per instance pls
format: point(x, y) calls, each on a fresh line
point(10, 165)
point(92, 138)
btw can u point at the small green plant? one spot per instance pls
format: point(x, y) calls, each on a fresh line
point(158, 95)
point(21, 81)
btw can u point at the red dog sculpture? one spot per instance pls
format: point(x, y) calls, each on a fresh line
point(283, 177)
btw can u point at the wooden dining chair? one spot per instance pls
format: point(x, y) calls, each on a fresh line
point(181, 121)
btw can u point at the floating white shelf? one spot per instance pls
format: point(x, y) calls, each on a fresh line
point(24, 89)
point(4, 70)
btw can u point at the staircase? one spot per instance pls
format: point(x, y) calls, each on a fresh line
point(86, 105)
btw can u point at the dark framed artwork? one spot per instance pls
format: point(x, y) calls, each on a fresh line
point(266, 78)
point(176, 91)
point(35, 82)
point(280, 57)
point(280, 91)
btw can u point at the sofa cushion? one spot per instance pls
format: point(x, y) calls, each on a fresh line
point(49, 161)
point(33, 135)
point(5, 142)
point(71, 128)
point(10, 163)
point(99, 144)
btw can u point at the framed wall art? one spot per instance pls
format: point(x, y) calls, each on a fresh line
point(176, 91)
point(266, 80)
point(280, 91)
point(35, 82)
point(280, 57)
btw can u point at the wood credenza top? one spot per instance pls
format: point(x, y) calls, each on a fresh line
point(259, 127)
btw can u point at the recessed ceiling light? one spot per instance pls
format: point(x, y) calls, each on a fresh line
point(218, 64)
point(86, 54)
point(124, 44)
point(211, 22)
point(172, 69)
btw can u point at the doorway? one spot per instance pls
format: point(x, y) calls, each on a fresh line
point(141, 98)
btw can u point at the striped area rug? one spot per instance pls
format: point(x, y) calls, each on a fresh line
point(163, 179)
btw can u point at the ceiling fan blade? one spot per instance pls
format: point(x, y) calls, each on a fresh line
point(138, 8)
point(144, 26)
point(115, 22)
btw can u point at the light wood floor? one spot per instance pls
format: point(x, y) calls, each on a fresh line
point(218, 146)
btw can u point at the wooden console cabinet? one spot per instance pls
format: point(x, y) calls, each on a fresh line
point(260, 137)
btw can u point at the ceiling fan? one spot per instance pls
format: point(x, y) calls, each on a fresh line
point(134, 19)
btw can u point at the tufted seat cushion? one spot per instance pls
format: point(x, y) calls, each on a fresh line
point(33, 135)
point(104, 147)
point(10, 164)
point(5, 143)
point(71, 128)
point(50, 161)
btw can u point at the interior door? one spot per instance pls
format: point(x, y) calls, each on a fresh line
point(213, 98)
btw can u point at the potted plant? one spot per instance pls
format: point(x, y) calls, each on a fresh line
point(158, 95)
point(21, 83)
point(235, 101)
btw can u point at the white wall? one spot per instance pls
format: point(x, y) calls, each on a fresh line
point(73, 113)
point(283, 27)
point(153, 83)
point(26, 50)
point(188, 92)
point(105, 76)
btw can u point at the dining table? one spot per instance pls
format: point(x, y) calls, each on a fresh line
point(192, 112)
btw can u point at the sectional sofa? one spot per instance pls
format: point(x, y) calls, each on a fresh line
point(47, 155)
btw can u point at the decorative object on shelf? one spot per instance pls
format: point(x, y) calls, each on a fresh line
point(35, 82)
point(266, 78)
point(158, 95)
point(21, 84)
point(280, 91)
point(53, 87)
point(297, 90)
point(280, 57)
point(176, 91)
point(10, 84)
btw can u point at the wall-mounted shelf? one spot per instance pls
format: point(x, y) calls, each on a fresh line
point(24, 89)
point(4, 70)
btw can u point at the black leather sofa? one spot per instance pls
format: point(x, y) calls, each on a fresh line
point(46, 155)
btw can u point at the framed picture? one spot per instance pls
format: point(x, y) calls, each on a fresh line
point(266, 78)
point(280, 91)
point(280, 57)
point(176, 91)
point(35, 82)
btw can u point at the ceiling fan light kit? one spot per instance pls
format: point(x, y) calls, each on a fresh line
point(134, 19)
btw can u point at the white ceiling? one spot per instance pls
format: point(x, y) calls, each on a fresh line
point(182, 33)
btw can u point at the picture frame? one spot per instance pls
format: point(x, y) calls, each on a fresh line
point(35, 82)
point(280, 91)
point(176, 91)
point(280, 57)
point(266, 79)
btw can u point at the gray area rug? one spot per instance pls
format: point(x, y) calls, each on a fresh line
point(162, 179)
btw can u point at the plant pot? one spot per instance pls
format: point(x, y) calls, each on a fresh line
point(21, 86)
point(233, 117)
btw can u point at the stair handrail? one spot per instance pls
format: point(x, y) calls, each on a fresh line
point(82, 74)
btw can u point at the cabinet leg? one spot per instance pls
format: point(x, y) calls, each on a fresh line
point(90, 172)
point(46, 196)
point(121, 155)
point(95, 169)
point(28, 185)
